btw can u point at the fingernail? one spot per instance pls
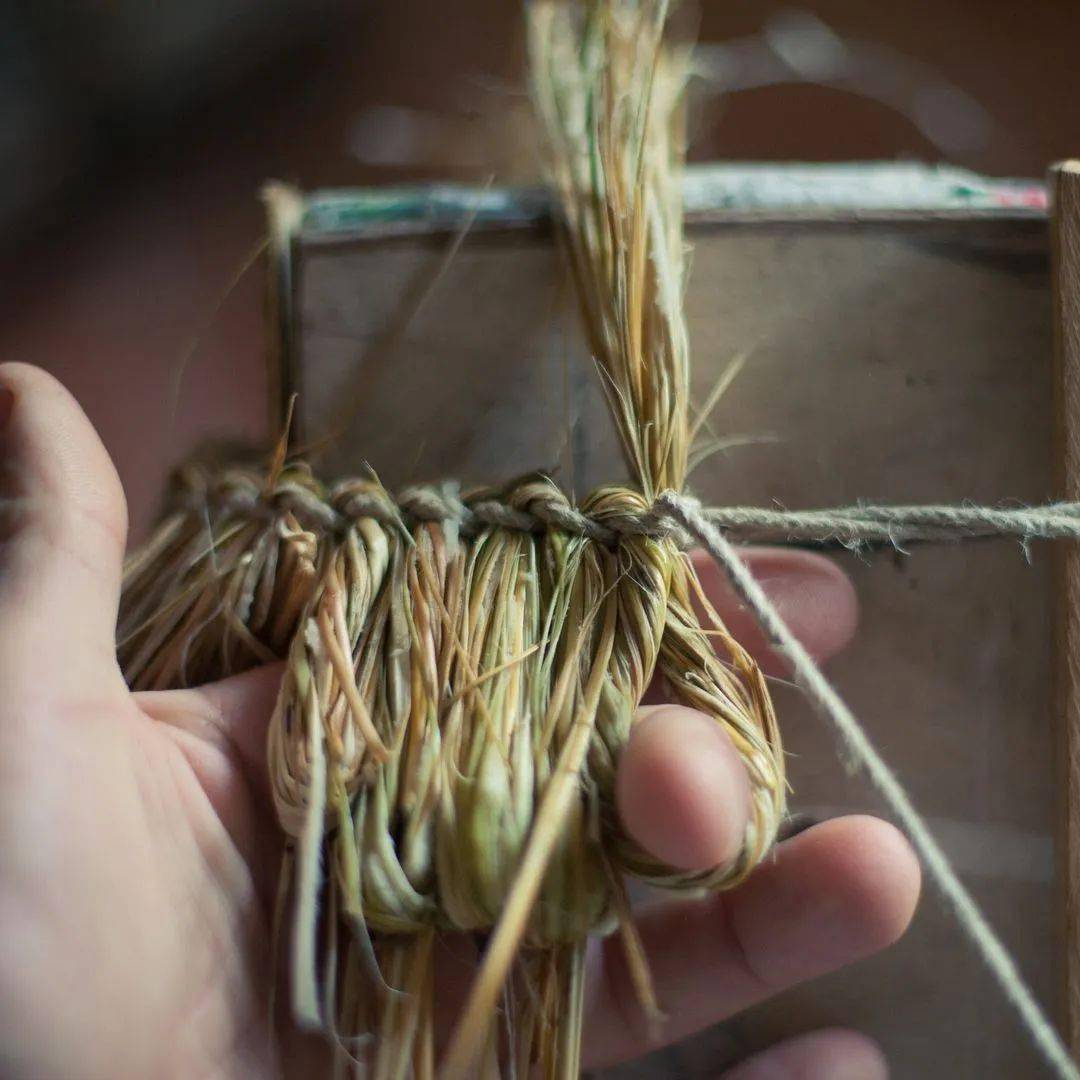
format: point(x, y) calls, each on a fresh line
point(816, 601)
point(7, 402)
point(802, 591)
point(810, 593)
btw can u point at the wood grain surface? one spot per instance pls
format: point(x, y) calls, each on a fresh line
point(1065, 242)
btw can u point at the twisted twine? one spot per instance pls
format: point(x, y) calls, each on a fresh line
point(853, 527)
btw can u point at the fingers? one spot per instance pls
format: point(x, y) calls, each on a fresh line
point(813, 595)
point(681, 790)
point(832, 1054)
point(63, 524)
point(231, 716)
point(832, 895)
point(221, 731)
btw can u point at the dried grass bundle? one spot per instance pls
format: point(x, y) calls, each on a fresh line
point(462, 671)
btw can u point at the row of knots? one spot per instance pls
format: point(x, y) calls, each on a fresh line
point(530, 504)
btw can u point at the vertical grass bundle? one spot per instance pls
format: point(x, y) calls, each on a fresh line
point(463, 669)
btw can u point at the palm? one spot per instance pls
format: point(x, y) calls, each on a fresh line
point(139, 908)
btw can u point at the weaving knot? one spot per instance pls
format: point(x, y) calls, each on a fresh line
point(532, 505)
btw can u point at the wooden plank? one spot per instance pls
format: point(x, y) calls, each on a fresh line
point(1065, 244)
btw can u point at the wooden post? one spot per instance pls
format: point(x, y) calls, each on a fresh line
point(284, 212)
point(1064, 184)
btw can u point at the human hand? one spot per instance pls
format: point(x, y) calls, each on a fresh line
point(139, 852)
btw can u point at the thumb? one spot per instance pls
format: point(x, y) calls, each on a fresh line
point(63, 524)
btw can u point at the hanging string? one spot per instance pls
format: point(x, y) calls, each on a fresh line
point(825, 699)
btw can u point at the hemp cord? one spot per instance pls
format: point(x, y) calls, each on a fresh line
point(857, 526)
point(853, 527)
point(821, 695)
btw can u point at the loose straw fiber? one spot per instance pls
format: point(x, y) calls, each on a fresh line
point(444, 748)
